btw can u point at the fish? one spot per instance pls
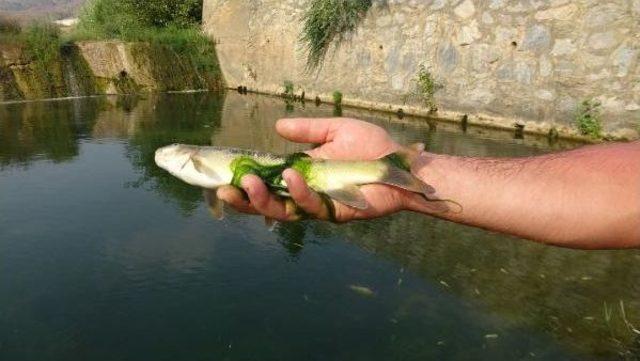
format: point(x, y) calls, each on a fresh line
point(211, 167)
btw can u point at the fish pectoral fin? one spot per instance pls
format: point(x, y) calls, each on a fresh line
point(349, 195)
point(215, 205)
point(202, 167)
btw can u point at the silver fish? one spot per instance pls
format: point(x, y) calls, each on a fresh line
point(211, 167)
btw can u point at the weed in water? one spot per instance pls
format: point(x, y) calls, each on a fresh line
point(587, 118)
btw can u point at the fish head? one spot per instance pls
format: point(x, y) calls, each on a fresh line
point(188, 163)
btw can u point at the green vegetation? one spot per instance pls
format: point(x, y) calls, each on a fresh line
point(427, 88)
point(288, 89)
point(166, 23)
point(337, 98)
point(43, 47)
point(329, 20)
point(587, 118)
point(40, 44)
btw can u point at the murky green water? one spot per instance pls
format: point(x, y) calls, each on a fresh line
point(103, 256)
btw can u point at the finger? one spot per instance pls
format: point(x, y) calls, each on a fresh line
point(308, 130)
point(234, 198)
point(304, 197)
point(265, 202)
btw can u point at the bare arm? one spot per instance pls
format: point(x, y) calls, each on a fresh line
point(587, 198)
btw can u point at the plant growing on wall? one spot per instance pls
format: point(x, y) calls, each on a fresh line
point(329, 20)
point(427, 88)
point(587, 118)
point(337, 98)
point(288, 89)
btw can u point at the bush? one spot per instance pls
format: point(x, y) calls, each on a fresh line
point(587, 118)
point(326, 20)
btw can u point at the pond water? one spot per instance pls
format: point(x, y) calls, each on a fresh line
point(103, 256)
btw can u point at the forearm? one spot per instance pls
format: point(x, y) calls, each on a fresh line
point(586, 198)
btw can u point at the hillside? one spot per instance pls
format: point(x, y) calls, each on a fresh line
point(29, 9)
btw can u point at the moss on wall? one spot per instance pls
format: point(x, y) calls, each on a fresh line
point(8, 87)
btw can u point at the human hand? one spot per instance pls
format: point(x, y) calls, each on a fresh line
point(340, 138)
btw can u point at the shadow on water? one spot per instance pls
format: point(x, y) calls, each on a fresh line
point(587, 301)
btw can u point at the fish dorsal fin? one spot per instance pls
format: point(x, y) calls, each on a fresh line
point(215, 205)
point(349, 195)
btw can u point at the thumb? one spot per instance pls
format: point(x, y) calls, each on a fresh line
point(308, 130)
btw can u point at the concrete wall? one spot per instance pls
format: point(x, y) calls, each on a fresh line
point(99, 67)
point(501, 61)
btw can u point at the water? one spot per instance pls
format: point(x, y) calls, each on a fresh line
point(103, 256)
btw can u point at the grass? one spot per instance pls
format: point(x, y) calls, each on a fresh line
point(327, 21)
point(587, 118)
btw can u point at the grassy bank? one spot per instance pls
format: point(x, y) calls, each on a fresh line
point(165, 23)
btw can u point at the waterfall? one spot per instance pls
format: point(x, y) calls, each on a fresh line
point(69, 72)
point(71, 78)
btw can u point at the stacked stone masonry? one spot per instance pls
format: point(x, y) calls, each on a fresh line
point(501, 61)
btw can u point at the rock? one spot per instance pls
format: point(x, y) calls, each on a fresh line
point(544, 94)
point(523, 73)
point(603, 15)
point(496, 4)
point(438, 4)
point(536, 39)
point(600, 41)
point(546, 68)
point(562, 13)
point(632, 107)
point(623, 57)
point(448, 57)
point(505, 72)
point(487, 18)
point(563, 47)
point(465, 10)
point(468, 34)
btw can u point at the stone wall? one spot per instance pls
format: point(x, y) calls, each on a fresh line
point(500, 61)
